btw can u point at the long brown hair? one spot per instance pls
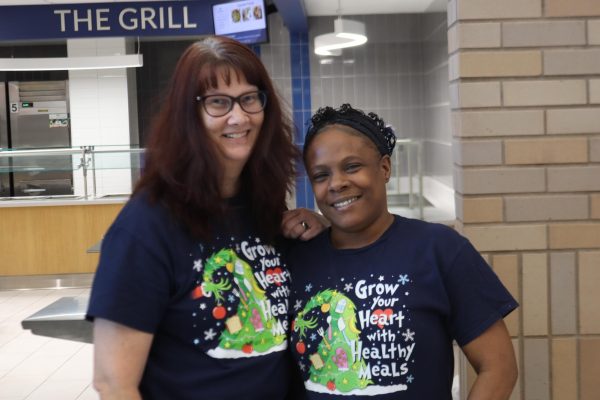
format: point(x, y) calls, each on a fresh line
point(182, 168)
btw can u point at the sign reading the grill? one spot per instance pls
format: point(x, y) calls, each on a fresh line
point(172, 18)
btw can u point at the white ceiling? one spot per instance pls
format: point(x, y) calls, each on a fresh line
point(313, 7)
point(361, 7)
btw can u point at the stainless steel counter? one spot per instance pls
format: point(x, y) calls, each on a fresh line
point(63, 319)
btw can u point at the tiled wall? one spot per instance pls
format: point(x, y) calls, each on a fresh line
point(286, 59)
point(383, 76)
point(436, 133)
point(275, 55)
point(526, 121)
point(401, 74)
point(153, 79)
point(101, 103)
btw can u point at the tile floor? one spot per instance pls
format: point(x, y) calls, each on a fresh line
point(37, 367)
point(40, 368)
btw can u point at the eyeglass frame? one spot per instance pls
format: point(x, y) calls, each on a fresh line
point(261, 93)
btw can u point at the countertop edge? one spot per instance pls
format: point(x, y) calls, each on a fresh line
point(62, 202)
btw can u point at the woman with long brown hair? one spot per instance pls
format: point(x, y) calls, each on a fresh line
point(191, 293)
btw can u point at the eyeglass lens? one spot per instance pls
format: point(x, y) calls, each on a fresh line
point(220, 104)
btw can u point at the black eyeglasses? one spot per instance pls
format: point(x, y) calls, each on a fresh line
point(217, 105)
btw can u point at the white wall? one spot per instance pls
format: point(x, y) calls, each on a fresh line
point(100, 113)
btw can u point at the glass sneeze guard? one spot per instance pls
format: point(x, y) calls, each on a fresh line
point(85, 172)
point(405, 187)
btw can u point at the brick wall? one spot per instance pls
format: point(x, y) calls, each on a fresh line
point(525, 95)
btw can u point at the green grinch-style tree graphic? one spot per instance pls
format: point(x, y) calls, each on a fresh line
point(334, 365)
point(250, 329)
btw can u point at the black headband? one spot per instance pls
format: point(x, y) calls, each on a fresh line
point(369, 125)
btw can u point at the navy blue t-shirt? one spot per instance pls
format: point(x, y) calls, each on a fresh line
point(378, 322)
point(218, 311)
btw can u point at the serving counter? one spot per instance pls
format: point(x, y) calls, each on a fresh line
point(44, 237)
point(45, 228)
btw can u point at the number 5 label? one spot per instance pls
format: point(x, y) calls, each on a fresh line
point(14, 107)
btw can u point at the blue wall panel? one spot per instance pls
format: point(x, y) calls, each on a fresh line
point(299, 57)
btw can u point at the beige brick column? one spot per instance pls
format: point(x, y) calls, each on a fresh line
point(525, 94)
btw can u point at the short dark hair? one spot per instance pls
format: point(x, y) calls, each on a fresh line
point(182, 162)
point(369, 125)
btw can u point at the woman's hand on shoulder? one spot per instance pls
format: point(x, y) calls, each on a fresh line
point(303, 224)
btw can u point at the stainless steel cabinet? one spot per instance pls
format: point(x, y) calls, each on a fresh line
point(4, 178)
point(38, 118)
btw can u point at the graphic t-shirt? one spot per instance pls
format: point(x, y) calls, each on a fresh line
point(378, 322)
point(218, 311)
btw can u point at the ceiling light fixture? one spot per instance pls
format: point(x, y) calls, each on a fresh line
point(346, 33)
point(71, 63)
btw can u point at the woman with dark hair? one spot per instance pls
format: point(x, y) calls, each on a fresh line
point(378, 299)
point(190, 297)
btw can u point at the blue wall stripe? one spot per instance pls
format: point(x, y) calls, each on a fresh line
point(300, 69)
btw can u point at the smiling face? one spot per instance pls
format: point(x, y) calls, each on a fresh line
point(236, 132)
point(348, 176)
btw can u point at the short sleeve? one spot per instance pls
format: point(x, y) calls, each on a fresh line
point(131, 285)
point(477, 297)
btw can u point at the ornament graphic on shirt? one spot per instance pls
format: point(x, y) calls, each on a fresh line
point(253, 328)
point(335, 363)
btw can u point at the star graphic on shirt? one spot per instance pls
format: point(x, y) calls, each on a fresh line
point(403, 279)
point(196, 341)
point(202, 306)
point(231, 298)
point(308, 288)
point(198, 264)
point(301, 366)
point(313, 337)
point(348, 287)
point(297, 305)
point(209, 334)
point(381, 278)
point(257, 240)
point(410, 378)
point(409, 335)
